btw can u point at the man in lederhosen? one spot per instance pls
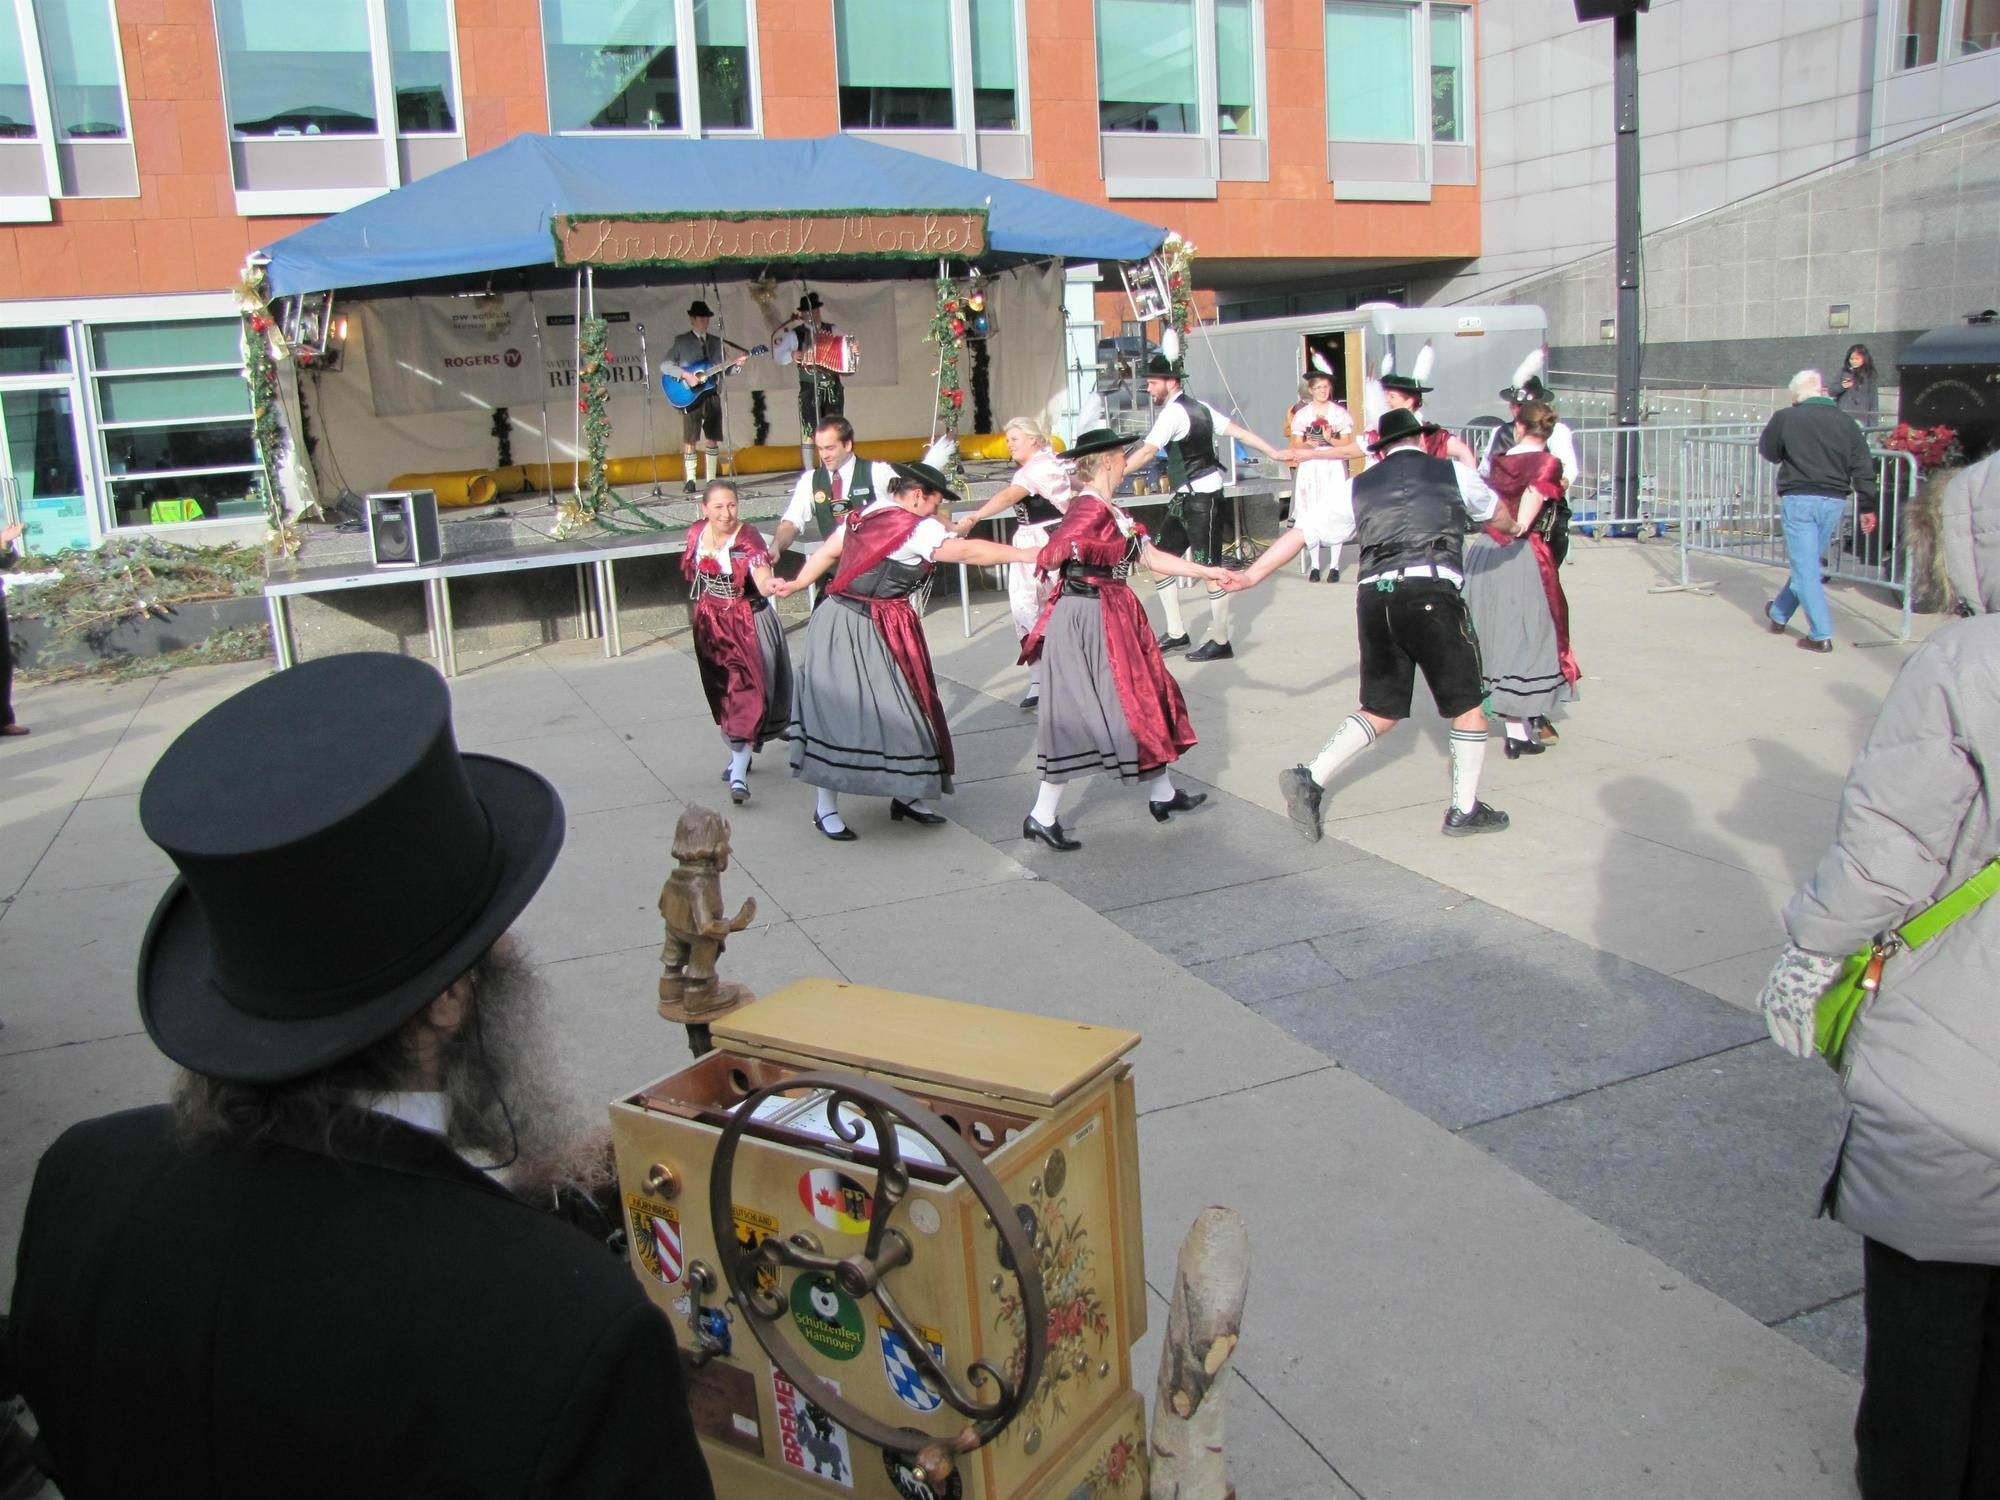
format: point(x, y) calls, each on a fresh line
point(821, 394)
point(1188, 431)
point(841, 485)
point(1413, 511)
point(688, 357)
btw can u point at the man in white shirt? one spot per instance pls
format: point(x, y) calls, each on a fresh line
point(1188, 430)
point(1562, 441)
point(824, 496)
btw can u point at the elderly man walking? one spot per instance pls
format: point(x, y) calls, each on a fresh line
point(1822, 458)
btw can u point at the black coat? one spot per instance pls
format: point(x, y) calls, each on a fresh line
point(272, 1320)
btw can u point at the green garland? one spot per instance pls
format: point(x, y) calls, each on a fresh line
point(1179, 257)
point(260, 373)
point(594, 400)
point(948, 333)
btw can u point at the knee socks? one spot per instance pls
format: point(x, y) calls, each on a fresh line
point(1468, 759)
point(1518, 729)
point(1218, 616)
point(709, 459)
point(827, 804)
point(1354, 735)
point(739, 759)
point(1046, 802)
point(1170, 600)
point(1311, 558)
point(687, 465)
point(1161, 787)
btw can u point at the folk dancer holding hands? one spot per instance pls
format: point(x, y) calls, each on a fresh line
point(866, 716)
point(739, 645)
point(840, 486)
point(1108, 702)
point(1039, 494)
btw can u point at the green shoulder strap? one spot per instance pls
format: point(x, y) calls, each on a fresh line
point(1929, 922)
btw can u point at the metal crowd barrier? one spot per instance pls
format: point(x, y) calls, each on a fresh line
point(1731, 508)
point(1649, 458)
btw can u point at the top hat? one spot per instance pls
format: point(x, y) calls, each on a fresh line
point(1397, 423)
point(1159, 366)
point(1409, 385)
point(810, 301)
point(341, 865)
point(1097, 440)
point(700, 309)
point(927, 476)
point(1530, 389)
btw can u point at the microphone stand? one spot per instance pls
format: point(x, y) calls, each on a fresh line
point(646, 404)
point(542, 364)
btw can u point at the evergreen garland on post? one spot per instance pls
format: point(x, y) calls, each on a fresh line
point(503, 438)
point(594, 401)
point(760, 419)
point(982, 387)
point(260, 342)
point(948, 333)
point(1179, 257)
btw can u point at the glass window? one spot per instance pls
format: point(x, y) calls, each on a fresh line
point(34, 351)
point(612, 65)
point(895, 64)
point(230, 494)
point(993, 73)
point(166, 345)
point(420, 66)
point(1979, 27)
point(1235, 67)
point(17, 108)
point(1917, 25)
point(80, 50)
point(1146, 66)
point(722, 63)
point(1447, 73)
point(177, 439)
point(298, 69)
point(1370, 63)
point(172, 398)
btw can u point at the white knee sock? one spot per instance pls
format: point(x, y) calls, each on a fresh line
point(1468, 759)
point(1160, 788)
point(1218, 616)
point(709, 459)
point(739, 759)
point(1035, 679)
point(1517, 729)
point(687, 463)
point(1046, 801)
point(827, 806)
point(1354, 735)
point(1170, 600)
point(806, 455)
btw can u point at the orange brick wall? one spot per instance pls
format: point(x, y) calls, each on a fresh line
point(180, 233)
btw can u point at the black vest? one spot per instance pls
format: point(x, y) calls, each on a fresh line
point(1191, 457)
point(1409, 510)
point(860, 495)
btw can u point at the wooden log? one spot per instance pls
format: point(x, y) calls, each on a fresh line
point(1204, 1321)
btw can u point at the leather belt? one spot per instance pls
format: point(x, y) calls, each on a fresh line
point(1416, 570)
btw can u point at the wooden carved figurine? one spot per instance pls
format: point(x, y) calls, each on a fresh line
point(691, 906)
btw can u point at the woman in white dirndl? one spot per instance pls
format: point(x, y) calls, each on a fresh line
point(1039, 494)
point(1322, 496)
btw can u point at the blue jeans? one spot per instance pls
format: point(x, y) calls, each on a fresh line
point(1811, 524)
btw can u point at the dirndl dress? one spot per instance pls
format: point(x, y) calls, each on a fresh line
point(1322, 493)
point(739, 644)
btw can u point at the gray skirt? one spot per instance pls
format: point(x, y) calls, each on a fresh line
point(1520, 662)
point(856, 726)
point(1083, 729)
point(777, 659)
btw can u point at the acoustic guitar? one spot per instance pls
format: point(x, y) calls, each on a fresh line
point(681, 394)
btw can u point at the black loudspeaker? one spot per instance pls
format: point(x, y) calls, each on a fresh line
point(403, 528)
point(1608, 10)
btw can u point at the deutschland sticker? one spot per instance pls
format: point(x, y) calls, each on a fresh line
point(656, 1237)
point(827, 1318)
point(836, 1200)
point(905, 1379)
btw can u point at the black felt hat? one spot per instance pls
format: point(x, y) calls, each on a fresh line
point(700, 309)
point(1160, 367)
point(928, 477)
point(1530, 389)
point(1097, 440)
point(1397, 423)
point(341, 864)
point(810, 301)
point(1409, 385)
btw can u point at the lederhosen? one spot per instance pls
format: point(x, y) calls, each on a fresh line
point(860, 495)
point(821, 394)
point(1408, 606)
point(702, 418)
point(1193, 525)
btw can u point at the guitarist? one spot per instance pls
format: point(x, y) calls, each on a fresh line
point(691, 356)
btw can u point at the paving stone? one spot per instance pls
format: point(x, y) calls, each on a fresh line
point(1431, 931)
point(1269, 972)
point(1714, 1166)
point(1476, 1036)
point(1834, 1332)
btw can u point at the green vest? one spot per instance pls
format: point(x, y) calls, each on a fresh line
point(860, 495)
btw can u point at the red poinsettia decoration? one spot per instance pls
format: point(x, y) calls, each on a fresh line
point(1932, 447)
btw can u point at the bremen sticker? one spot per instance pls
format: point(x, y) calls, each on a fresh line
point(808, 1439)
point(656, 1237)
point(827, 1318)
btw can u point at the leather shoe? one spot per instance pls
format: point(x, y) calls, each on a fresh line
point(1048, 833)
point(1546, 732)
point(1333, 575)
point(899, 810)
point(1518, 748)
point(1302, 801)
point(1482, 819)
point(1770, 624)
point(11, 730)
point(1313, 576)
point(840, 835)
point(1212, 651)
point(1031, 700)
point(1807, 643)
point(1173, 643)
point(1181, 801)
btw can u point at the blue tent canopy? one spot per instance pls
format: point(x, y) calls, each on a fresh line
point(493, 212)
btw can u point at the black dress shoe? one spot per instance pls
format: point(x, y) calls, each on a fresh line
point(1173, 643)
point(1302, 801)
point(1212, 651)
point(1031, 700)
point(1518, 748)
point(1313, 576)
point(1049, 833)
point(899, 810)
point(1545, 731)
point(1333, 575)
point(841, 835)
point(1181, 801)
point(1770, 624)
point(1807, 643)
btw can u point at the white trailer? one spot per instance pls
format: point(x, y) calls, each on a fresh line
point(1253, 369)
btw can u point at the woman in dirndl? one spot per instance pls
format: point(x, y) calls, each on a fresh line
point(1322, 496)
point(1513, 593)
point(866, 716)
point(738, 643)
point(1039, 494)
point(1108, 701)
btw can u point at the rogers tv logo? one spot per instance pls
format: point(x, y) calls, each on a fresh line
point(513, 358)
point(468, 361)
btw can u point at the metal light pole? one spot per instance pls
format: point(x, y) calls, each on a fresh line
point(1624, 18)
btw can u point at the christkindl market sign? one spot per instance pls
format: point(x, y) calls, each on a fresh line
point(706, 239)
